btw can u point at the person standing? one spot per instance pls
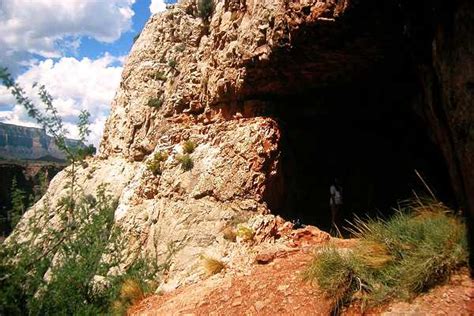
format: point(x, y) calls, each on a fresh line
point(335, 201)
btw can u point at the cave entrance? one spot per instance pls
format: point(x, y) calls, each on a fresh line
point(345, 94)
point(367, 134)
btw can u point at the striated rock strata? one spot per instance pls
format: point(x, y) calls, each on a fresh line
point(20, 142)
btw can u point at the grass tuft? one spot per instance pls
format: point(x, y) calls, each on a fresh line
point(189, 146)
point(186, 162)
point(155, 103)
point(212, 266)
point(245, 233)
point(373, 254)
point(418, 248)
point(229, 234)
point(335, 274)
point(155, 165)
point(131, 291)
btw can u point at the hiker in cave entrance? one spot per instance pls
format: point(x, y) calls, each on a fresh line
point(335, 202)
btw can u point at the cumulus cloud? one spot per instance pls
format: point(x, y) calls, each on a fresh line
point(157, 6)
point(74, 85)
point(47, 27)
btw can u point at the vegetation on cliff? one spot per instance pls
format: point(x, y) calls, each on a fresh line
point(19, 204)
point(72, 263)
point(419, 247)
point(205, 9)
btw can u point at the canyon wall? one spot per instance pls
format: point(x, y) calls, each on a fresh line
point(20, 142)
point(214, 82)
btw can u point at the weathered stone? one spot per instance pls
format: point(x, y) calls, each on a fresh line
point(264, 258)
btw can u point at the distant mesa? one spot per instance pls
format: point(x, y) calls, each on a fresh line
point(30, 143)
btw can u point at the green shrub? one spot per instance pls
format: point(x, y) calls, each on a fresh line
point(81, 247)
point(189, 146)
point(205, 9)
point(186, 162)
point(159, 75)
point(172, 63)
point(155, 102)
point(180, 48)
point(419, 247)
point(155, 165)
point(82, 244)
point(19, 203)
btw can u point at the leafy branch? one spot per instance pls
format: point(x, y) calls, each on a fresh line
point(51, 122)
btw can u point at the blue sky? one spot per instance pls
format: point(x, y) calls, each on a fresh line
point(76, 48)
point(92, 48)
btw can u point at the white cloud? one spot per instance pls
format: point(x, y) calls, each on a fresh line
point(48, 27)
point(74, 85)
point(157, 6)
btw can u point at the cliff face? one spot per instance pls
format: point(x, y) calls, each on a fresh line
point(18, 145)
point(218, 70)
point(446, 72)
point(251, 85)
point(20, 142)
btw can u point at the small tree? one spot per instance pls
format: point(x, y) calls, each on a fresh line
point(18, 203)
point(205, 9)
point(41, 187)
point(53, 125)
point(72, 249)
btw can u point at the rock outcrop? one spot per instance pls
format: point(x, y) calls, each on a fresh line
point(213, 83)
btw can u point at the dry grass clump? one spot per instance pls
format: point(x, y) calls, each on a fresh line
point(245, 233)
point(186, 162)
point(155, 165)
point(189, 146)
point(211, 265)
point(131, 292)
point(373, 254)
point(229, 234)
point(419, 247)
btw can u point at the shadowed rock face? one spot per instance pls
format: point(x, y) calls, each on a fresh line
point(27, 175)
point(260, 78)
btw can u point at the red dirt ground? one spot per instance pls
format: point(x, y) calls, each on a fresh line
point(277, 289)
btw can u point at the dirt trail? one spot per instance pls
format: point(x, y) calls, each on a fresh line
point(273, 289)
point(277, 288)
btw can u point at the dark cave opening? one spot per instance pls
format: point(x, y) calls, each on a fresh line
point(347, 96)
point(368, 135)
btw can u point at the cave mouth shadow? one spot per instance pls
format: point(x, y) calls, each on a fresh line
point(348, 101)
point(366, 134)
